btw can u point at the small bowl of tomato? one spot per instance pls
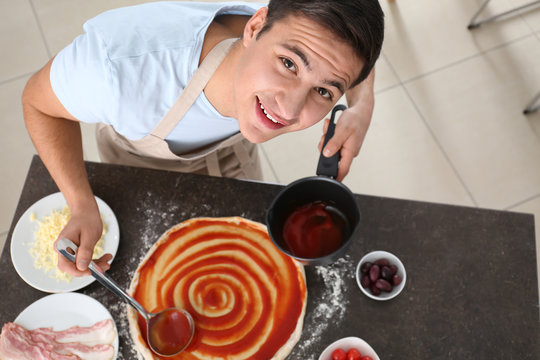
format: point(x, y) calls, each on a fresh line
point(349, 348)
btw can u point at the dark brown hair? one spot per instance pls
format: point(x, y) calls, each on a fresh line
point(360, 23)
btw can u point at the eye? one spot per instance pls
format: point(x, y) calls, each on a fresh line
point(324, 93)
point(289, 64)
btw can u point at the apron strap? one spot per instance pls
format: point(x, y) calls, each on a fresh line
point(246, 163)
point(212, 164)
point(193, 89)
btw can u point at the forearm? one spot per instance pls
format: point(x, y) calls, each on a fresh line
point(361, 98)
point(56, 134)
point(59, 144)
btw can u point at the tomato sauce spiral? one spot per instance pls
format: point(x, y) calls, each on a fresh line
point(246, 297)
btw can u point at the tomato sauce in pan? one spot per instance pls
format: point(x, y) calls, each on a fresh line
point(314, 230)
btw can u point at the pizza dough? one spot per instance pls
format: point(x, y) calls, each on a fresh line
point(247, 298)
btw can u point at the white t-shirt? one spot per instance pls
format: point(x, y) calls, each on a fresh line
point(132, 63)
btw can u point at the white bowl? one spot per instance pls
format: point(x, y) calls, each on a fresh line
point(346, 344)
point(394, 260)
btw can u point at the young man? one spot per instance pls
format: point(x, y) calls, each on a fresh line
point(293, 61)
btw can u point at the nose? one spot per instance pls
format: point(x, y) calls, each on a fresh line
point(291, 101)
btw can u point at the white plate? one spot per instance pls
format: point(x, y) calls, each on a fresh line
point(346, 344)
point(23, 238)
point(62, 311)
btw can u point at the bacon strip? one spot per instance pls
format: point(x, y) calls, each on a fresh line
point(18, 343)
point(101, 332)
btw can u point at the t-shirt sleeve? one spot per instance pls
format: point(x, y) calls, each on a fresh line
point(81, 78)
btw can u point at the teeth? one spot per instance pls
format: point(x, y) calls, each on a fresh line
point(267, 114)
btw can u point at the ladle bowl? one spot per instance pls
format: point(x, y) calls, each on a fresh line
point(168, 332)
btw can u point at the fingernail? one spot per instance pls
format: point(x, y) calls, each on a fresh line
point(82, 265)
point(327, 152)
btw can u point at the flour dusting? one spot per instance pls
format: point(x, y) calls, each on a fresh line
point(122, 326)
point(151, 207)
point(330, 305)
point(154, 223)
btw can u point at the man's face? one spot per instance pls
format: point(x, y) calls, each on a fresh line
point(290, 77)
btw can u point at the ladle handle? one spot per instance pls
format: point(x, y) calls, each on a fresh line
point(62, 245)
point(328, 166)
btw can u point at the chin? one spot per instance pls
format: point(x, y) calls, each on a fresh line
point(254, 138)
point(252, 133)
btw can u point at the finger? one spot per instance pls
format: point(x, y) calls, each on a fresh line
point(344, 164)
point(325, 129)
point(106, 257)
point(69, 267)
point(84, 254)
point(65, 264)
point(103, 262)
point(336, 142)
point(326, 124)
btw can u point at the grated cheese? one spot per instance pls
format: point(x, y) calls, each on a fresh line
point(42, 250)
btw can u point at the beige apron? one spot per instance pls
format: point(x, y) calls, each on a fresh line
point(232, 157)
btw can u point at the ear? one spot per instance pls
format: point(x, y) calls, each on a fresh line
point(254, 25)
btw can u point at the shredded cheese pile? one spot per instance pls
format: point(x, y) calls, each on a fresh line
point(42, 250)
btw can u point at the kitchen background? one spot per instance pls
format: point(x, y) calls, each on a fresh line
point(447, 127)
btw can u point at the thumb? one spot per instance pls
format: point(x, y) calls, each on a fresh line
point(332, 147)
point(335, 143)
point(84, 255)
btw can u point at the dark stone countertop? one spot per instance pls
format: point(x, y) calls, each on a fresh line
point(471, 290)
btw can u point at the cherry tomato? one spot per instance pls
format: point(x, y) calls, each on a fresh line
point(365, 357)
point(339, 354)
point(354, 354)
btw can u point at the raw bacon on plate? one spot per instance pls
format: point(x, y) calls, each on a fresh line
point(84, 343)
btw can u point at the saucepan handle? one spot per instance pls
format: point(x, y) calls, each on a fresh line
point(328, 166)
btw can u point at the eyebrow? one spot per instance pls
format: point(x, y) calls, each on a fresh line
point(300, 53)
point(305, 60)
point(336, 84)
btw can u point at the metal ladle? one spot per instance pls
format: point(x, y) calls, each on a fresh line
point(153, 320)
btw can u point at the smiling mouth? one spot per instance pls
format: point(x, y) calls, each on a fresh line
point(268, 115)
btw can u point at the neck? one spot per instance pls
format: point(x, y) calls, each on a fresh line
point(219, 88)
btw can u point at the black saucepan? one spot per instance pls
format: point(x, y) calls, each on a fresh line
point(302, 237)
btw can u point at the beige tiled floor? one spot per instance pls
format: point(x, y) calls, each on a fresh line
point(447, 126)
